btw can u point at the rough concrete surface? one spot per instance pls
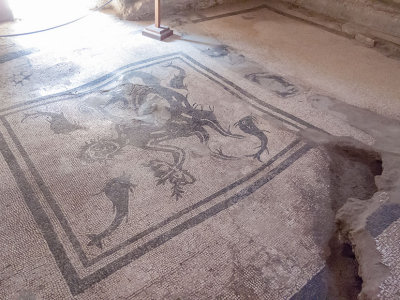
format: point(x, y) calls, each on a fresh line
point(249, 156)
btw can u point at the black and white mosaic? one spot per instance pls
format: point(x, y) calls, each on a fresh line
point(144, 154)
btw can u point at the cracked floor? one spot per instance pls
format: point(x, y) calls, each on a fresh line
point(249, 156)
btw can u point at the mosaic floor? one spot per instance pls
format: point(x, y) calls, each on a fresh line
point(179, 172)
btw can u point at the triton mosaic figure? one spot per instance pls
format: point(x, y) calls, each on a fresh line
point(149, 116)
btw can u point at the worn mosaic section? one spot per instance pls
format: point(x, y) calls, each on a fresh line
point(388, 245)
point(382, 218)
point(143, 156)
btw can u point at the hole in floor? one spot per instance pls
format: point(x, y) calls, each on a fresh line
point(352, 172)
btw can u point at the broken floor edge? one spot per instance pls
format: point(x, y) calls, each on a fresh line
point(371, 269)
point(352, 217)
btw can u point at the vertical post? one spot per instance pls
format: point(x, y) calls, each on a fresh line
point(157, 13)
point(156, 31)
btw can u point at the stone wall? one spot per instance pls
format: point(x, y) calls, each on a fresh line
point(144, 9)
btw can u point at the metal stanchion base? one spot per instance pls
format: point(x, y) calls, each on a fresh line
point(158, 33)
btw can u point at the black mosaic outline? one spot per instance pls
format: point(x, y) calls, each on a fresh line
point(77, 284)
point(315, 288)
point(229, 14)
point(53, 203)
